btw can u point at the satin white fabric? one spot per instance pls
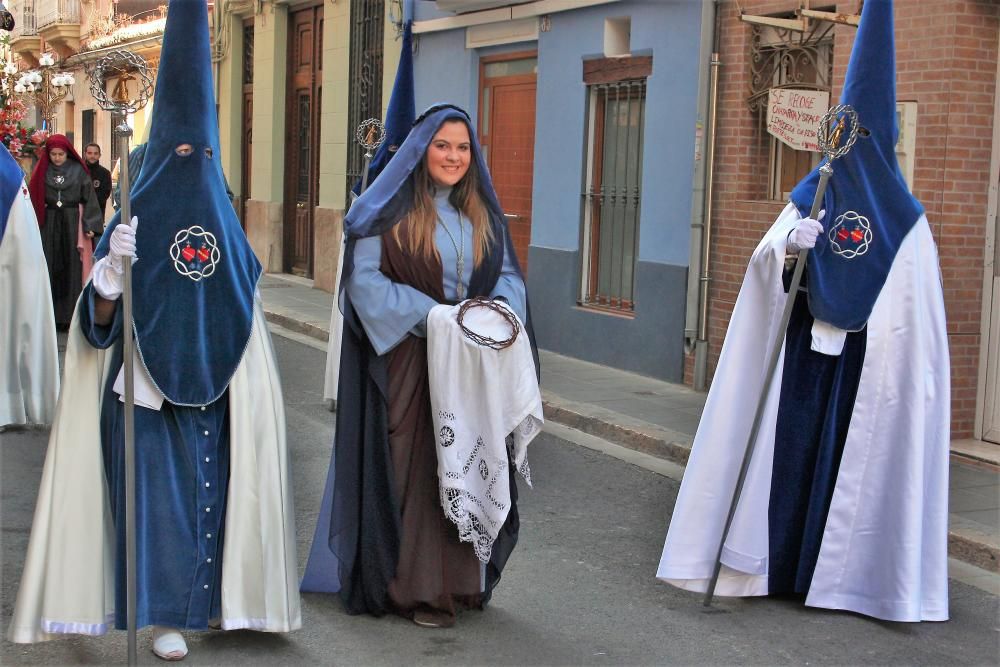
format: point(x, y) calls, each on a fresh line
point(68, 579)
point(884, 549)
point(29, 374)
point(479, 397)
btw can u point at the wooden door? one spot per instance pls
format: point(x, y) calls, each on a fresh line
point(246, 141)
point(302, 138)
point(507, 134)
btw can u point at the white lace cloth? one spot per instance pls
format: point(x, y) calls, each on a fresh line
point(486, 408)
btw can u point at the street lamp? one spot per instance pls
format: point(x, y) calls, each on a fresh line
point(45, 87)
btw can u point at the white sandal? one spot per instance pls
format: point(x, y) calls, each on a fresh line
point(168, 644)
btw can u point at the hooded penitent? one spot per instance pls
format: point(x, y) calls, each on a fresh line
point(846, 494)
point(869, 209)
point(36, 185)
point(196, 274)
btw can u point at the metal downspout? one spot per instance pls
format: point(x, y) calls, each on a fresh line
point(701, 344)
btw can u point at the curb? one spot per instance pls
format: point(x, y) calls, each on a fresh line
point(967, 541)
point(296, 325)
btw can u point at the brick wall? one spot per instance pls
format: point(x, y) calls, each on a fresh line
point(946, 53)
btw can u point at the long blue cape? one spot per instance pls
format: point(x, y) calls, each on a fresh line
point(869, 209)
point(194, 282)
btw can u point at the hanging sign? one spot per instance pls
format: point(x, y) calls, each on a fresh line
point(793, 116)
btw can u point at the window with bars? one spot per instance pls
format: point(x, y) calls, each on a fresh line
point(782, 58)
point(365, 97)
point(613, 183)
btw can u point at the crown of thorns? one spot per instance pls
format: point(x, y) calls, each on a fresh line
point(496, 307)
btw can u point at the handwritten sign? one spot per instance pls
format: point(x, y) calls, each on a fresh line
point(793, 116)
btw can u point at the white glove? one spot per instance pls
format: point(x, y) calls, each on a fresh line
point(802, 237)
point(122, 244)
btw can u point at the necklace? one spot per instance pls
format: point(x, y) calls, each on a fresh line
point(60, 179)
point(459, 253)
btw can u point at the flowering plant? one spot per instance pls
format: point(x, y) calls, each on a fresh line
point(20, 140)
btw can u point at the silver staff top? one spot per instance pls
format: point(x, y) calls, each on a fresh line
point(370, 134)
point(127, 66)
point(831, 130)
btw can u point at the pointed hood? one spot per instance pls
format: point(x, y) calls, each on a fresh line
point(195, 279)
point(869, 209)
point(401, 112)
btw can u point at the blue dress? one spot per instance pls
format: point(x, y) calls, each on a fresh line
point(182, 478)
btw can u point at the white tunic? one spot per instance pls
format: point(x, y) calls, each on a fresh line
point(29, 363)
point(884, 547)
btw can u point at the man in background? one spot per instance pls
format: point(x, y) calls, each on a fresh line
point(101, 176)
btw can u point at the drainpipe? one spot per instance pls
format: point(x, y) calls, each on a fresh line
point(701, 343)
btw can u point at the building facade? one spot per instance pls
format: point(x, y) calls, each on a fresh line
point(588, 113)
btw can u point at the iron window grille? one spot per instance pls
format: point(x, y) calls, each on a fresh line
point(612, 194)
point(365, 97)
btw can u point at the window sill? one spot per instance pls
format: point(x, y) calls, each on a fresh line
point(604, 310)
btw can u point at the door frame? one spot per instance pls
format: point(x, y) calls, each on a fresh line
point(988, 367)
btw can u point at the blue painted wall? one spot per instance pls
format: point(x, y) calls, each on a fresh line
point(668, 30)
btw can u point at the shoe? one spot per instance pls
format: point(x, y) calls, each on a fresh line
point(431, 618)
point(168, 644)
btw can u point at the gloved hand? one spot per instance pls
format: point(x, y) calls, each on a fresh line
point(122, 244)
point(804, 235)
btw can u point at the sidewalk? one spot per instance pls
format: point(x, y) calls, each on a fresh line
point(661, 418)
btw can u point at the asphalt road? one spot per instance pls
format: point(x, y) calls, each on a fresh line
point(579, 589)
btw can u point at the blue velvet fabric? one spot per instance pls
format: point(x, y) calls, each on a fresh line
point(182, 478)
point(11, 180)
point(817, 397)
point(194, 283)
point(866, 181)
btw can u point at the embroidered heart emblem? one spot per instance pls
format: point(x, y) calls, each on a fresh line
point(857, 235)
point(842, 234)
point(187, 253)
point(203, 254)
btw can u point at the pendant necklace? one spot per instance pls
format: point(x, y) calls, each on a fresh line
point(60, 179)
point(459, 253)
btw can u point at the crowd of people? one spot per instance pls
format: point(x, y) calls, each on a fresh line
point(403, 528)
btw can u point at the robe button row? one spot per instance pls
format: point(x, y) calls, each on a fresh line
point(209, 536)
point(205, 587)
point(206, 432)
point(208, 509)
point(207, 459)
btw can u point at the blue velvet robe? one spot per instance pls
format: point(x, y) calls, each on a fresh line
point(182, 479)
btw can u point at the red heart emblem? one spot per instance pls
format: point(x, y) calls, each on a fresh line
point(203, 254)
point(857, 235)
point(187, 253)
point(842, 234)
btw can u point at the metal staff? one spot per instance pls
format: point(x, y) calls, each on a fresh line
point(831, 130)
point(370, 134)
point(127, 67)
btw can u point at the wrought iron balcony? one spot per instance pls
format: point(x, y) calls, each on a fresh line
point(55, 12)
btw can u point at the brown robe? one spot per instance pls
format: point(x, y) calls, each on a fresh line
point(436, 570)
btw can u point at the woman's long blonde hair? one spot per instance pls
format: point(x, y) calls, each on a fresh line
point(422, 218)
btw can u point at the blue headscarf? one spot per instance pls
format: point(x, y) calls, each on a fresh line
point(390, 197)
point(195, 280)
point(869, 209)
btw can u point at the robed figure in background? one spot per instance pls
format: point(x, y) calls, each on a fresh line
point(428, 231)
point(70, 219)
point(29, 364)
point(846, 496)
point(214, 510)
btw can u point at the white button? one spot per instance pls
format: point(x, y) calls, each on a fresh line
point(209, 536)
point(206, 432)
point(208, 509)
point(207, 485)
point(203, 408)
point(205, 587)
point(209, 560)
point(207, 459)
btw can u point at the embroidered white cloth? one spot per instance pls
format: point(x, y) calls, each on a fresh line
point(487, 408)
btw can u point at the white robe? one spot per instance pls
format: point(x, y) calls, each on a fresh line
point(68, 581)
point(884, 545)
point(29, 369)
